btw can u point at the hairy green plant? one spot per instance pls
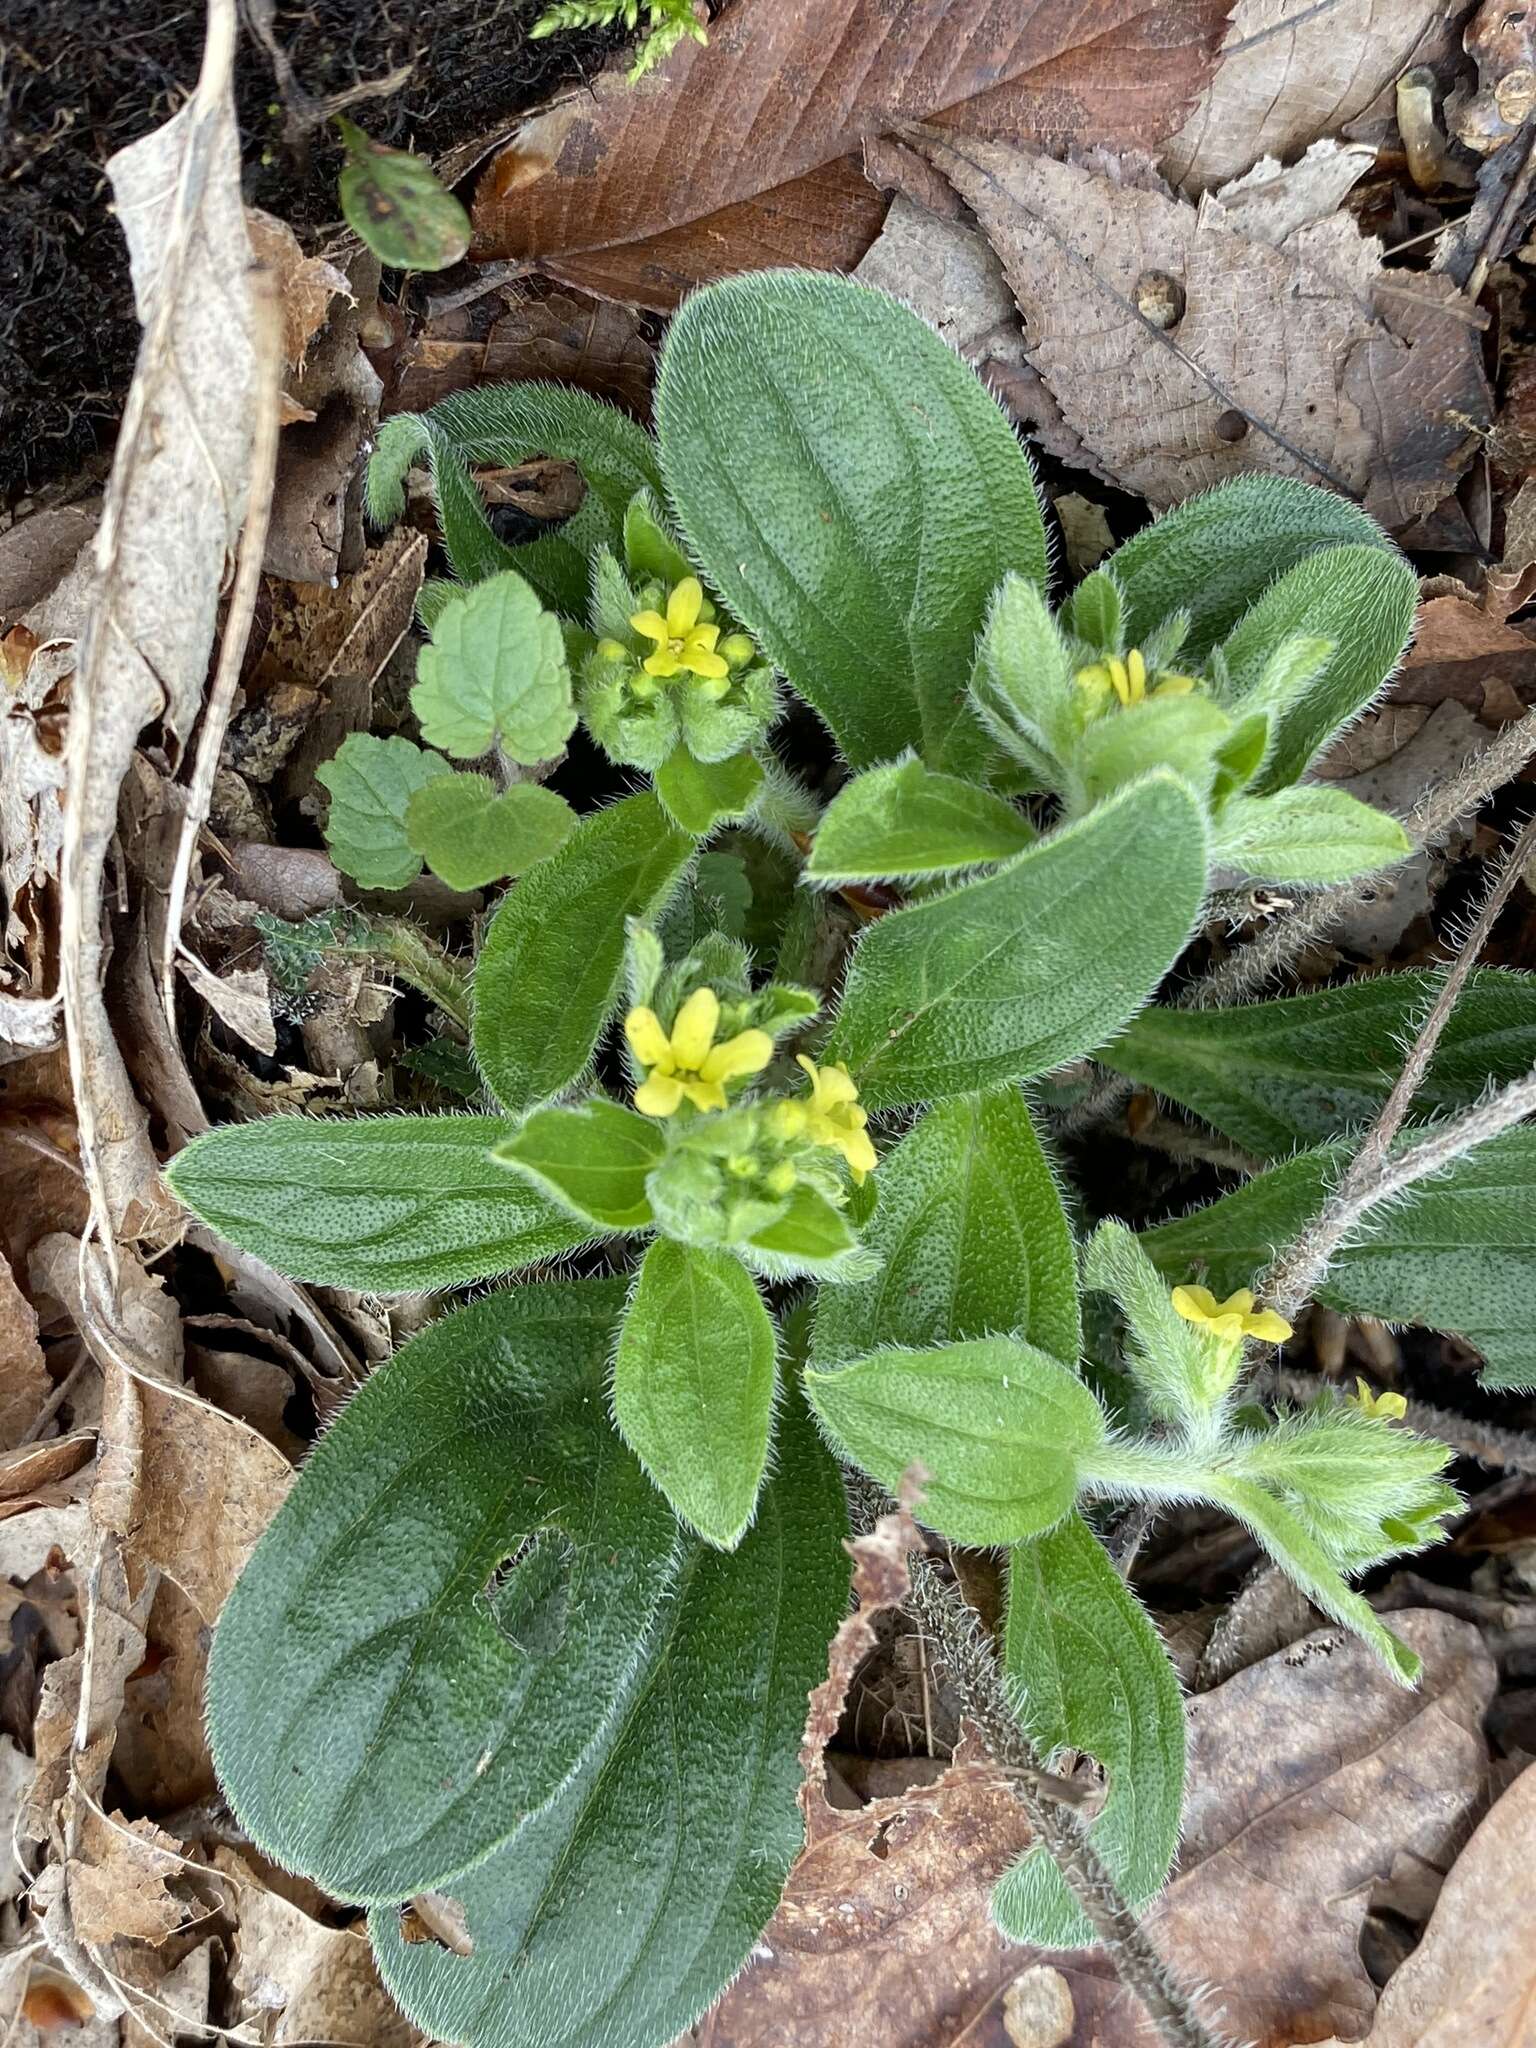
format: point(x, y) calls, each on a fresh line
point(536, 1625)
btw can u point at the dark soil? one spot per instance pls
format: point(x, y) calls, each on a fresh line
point(80, 78)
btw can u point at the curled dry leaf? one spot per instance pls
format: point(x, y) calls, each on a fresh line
point(118, 1880)
point(1302, 359)
point(742, 154)
point(1309, 1774)
point(24, 1383)
point(1471, 1982)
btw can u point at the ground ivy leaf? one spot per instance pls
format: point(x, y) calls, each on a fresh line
point(1086, 1670)
point(549, 972)
point(1300, 1069)
point(998, 1425)
point(470, 835)
point(971, 1236)
point(613, 1919)
point(387, 1704)
point(1009, 976)
point(383, 1204)
point(592, 1160)
point(371, 783)
point(495, 673)
point(854, 494)
point(693, 1385)
point(903, 819)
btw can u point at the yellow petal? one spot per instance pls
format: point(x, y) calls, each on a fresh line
point(747, 1053)
point(652, 625)
point(705, 1094)
point(693, 1028)
point(1267, 1326)
point(662, 663)
point(703, 637)
point(859, 1151)
point(1174, 686)
point(1229, 1327)
point(700, 662)
point(1119, 676)
point(684, 606)
point(649, 1043)
point(1136, 673)
point(1194, 1304)
point(1239, 1303)
point(660, 1095)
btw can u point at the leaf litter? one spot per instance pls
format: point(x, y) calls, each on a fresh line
point(1170, 243)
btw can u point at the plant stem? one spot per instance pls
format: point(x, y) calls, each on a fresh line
point(1501, 1450)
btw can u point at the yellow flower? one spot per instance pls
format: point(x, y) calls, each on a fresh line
point(682, 642)
point(1388, 1407)
point(1128, 679)
point(1233, 1318)
point(687, 1065)
point(833, 1117)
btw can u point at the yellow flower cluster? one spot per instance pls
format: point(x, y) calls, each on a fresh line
point(831, 1117)
point(685, 639)
point(685, 1064)
point(1233, 1319)
point(1127, 680)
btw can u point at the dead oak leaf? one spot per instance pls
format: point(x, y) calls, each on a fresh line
point(744, 153)
point(1302, 359)
point(1471, 1982)
point(1309, 1773)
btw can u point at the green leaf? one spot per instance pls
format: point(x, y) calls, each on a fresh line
point(1361, 599)
point(1307, 834)
point(1454, 1253)
point(383, 1204)
point(700, 794)
point(854, 494)
point(1215, 554)
point(693, 1386)
point(592, 1160)
point(499, 426)
point(1303, 1069)
point(495, 673)
point(614, 1918)
point(811, 1239)
point(1171, 1359)
point(1095, 612)
point(998, 1425)
point(470, 836)
point(650, 552)
point(550, 970)
point(388, 1697)
point(395, 203)
point(971, 1236)
point(1184, 734)
point(1021, 684)
point(1010, 976)
point(904, 820)
point(371, 783)
point(1086, 1670)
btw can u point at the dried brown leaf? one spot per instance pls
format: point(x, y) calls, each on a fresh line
point(24, 1381)
point(1289, 73)
point(306, 285)
point(117, 1880)
point(1309, 1773)
point(1304, 360)
point(743, 154)
point(1471, 1982)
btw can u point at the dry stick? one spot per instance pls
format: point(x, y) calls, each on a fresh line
point(944, 1614)
point(268, 338)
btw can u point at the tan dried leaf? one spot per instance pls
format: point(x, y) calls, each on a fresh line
point(24, 1381)
point(306, 285)
point(743, 154)
point(1289, 74)
point(118, 1877)
point(1309, 1774)
point(1471, 1982)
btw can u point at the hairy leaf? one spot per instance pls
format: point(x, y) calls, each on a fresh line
point(384, 1204)
point(1453, 1253)
point(811, 1239)
point(1086, 1670)
point(1307, 834)
point(495, 674)
point(997, 1425)
point(446, 1616)
point(592, 1160)
point(615, 1917)
point(693, 1386)
point(971, 1236)
point(1010, 976)
point(699, 794)
point(470, 835)
point(903, 819)
point(1021, 684)
point(371, 783)
point(549, 972)
point(1302, 1069)
point(854, 494)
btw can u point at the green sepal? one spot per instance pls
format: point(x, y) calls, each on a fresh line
point(382, 1204)
point(1021, 682)
point(693, 1386)
point(1007, 977)
point(1307, 834)
point(470, 834)
point(811, 1240)
point(592, 1160)
point(699, 795)
point(550, 971)
point(650, 552)
point(998, 1426)
point(388, 1698)
point(494, 674)
point(903, 820)
point(371, 784)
